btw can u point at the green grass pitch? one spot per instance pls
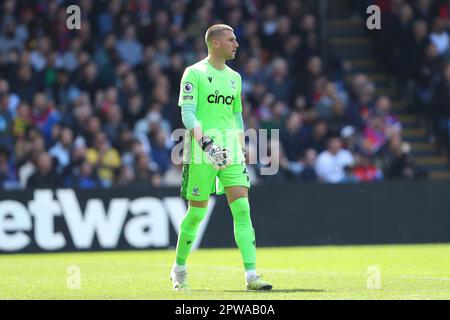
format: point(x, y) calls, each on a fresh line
point(329, 272)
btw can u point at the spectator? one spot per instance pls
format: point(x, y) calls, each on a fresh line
point(419, 42)
point(124, 176)
point(44, 115)
point(62, 91)
point(39, 56)
point(149, 125)
point(338, 119)
point(8, 177)
point(88, 80)
point(106, 57)
point(112, 121)
point(308, 172)
point(87, 178)
point(278, 112)
point(12, 37)
point(145, 172)
point(161, 151)
point(134, 110)
point(22, 121)
point(439, 37)
point(383, 110)
point(366, 171)
point(108, 20)
point(423, 10)
point(373, 136)
point(331, 163)
point(399, 162)
point(26, 83)
point(292, 136)
point(104, 158)
point(326, 98)
point(402, 38)
point(129, 48)
point(307, 79)
point(275, 162)
point(129, 87)
point(425, 79)
point(129, 148)
point(349, 138)
point(45, 176)
point(118, 78)
point(69, 58)
point(251, 74)
point(173, 176)
point(5, 123)
point(278, 81)
point(61, 151)
point(9, 100)
point(363, 94)
point(317, 140)
point(441, 106)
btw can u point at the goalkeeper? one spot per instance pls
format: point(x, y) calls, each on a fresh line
point(214, 154)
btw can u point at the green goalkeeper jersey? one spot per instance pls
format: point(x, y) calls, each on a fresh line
point(217, 96)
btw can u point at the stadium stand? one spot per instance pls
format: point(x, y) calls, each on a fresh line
point(96, 107)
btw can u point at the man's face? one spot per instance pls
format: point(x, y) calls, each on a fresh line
point(335, 145)
point(226, 44)
point(44, 164)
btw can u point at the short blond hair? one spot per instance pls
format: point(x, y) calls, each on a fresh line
point(214, 31)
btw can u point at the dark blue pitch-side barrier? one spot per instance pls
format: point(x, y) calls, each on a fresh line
point(134, 218)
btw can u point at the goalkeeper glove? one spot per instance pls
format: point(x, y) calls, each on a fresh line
point(219, 157)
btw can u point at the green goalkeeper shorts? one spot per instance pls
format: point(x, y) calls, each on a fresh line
point(200, 181)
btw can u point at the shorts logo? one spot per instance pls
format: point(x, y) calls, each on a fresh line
point(188, 97)
point(195, 191)
point(188, 87)
point(233, 84)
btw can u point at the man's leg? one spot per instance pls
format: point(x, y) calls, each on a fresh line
point(197, 183)
point(244, 235)
point(188, 229)
point(187, 234)
point(243, 230)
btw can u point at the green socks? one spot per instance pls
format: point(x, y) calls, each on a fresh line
point(188, 232)
point(244, 234)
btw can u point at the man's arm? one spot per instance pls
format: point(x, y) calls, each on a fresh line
point(240, 126)
point(190, 121)
point(237, 111)
point(219, 156)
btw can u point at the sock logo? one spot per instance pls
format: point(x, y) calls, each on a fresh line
point(189, 242)
point(254, 242)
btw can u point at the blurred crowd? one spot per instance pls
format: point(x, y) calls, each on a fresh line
point(413, 45)
point(95, 107)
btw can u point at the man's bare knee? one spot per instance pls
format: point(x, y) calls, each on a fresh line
point(198, 204)
point(234, 193)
